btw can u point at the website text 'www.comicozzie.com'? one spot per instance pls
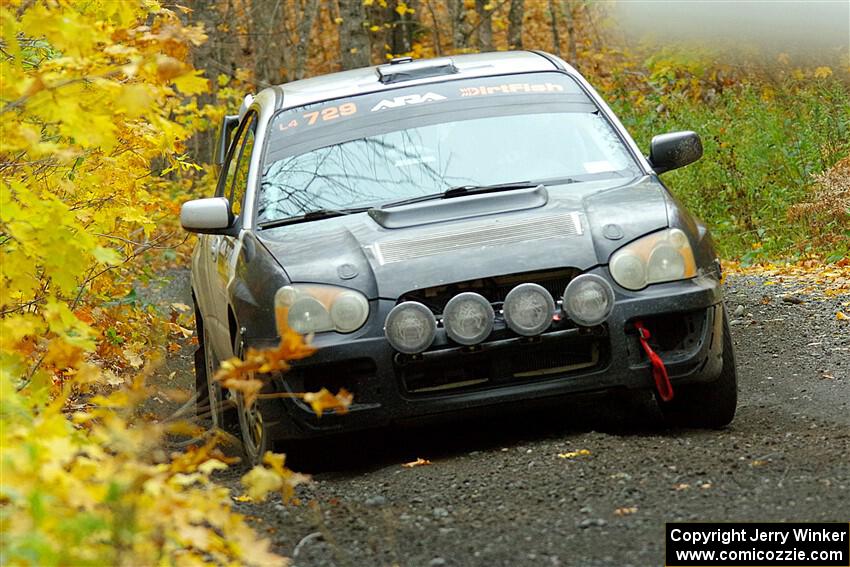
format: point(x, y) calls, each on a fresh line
point(758, 545)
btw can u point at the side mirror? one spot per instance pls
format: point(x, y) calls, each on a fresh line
point(207, 216)
point(674, 150)
point(225, 132)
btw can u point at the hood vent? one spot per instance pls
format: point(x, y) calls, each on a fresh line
point(478, 235)
point(464, 207)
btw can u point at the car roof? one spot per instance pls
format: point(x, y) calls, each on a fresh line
point(368, 79)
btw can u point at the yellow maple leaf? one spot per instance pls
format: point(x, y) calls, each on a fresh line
point(324, 400)
point(192, 83)
point(259, 481)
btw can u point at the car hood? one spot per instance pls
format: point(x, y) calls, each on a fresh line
point(575, 225)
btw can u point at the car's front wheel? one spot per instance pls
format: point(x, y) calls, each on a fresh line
point(211, 403)
point(255, 437)
point(709, 404)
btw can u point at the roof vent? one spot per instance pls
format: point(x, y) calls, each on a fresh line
point(403, 69)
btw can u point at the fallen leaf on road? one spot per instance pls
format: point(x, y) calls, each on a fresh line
point(573, 454)
point(841, 316)
point(417, 463)
point(705, 485)
point(625, 511)
point(243, 498)
point(758, 463)
point(681, 486)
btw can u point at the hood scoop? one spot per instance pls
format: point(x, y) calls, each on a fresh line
point(477, 235)
point(444, 210)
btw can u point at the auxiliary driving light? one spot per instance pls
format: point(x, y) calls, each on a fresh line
point(468, 318)
point(588, 300)
point(410, 327)
point(528, 309)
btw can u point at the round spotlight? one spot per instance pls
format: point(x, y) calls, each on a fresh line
point(588, 300)
point(468, 318)
point(528, 309)
point(410, 327)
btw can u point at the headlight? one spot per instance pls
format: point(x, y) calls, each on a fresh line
point(588, 300)
point(528, 309)
point(468, 318)
point(314, 308)
point(660, 257)
point(410, 327)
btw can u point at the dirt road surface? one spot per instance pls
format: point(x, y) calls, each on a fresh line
point(506, 492)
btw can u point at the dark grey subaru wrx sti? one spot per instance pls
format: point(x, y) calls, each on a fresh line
point(458, 234)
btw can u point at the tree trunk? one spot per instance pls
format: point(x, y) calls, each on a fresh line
point(215, 56)
point(435, 29)
point(515, 16)
point(269, 30)
point(310, 9)
point(457, 13)
point(354, 48)
point(570, 15)
point(556, 37)
point(485, 25)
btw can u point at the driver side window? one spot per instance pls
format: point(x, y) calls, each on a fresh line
point(240, 178)
point(234, 177)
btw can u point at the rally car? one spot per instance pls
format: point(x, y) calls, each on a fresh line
point(457, 235)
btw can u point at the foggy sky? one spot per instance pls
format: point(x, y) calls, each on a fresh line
point(792, 26)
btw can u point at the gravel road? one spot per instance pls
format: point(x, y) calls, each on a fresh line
point(500, 494)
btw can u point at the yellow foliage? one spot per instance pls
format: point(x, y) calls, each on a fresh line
point(823, 72)
point(93, 93)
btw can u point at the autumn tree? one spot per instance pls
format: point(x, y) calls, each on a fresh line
point(354, 47)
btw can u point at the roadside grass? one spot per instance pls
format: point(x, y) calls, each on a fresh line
point(768, 144)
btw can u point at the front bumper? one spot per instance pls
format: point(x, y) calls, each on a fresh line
point(684, 317)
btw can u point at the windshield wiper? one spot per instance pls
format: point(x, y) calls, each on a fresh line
point(318, 214)
point(462, 191)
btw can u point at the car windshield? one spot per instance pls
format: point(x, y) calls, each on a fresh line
point(389, 146)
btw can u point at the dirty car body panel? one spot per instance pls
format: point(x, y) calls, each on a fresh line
point(344, 190)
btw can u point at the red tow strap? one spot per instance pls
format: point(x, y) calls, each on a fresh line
point(659, 372)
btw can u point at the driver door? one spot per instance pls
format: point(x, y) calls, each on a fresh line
point(224, 250)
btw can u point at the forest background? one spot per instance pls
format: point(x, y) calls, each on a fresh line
point(109, 111)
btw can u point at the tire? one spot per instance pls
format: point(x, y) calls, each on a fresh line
point(255, 436)
point(708, 405)
point(252, 428)
point(210, 399)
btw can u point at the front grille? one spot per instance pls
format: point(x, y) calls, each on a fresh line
point(521, 361)
point(495, 289)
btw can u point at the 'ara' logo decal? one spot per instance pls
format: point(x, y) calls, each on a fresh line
point(407, 99)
